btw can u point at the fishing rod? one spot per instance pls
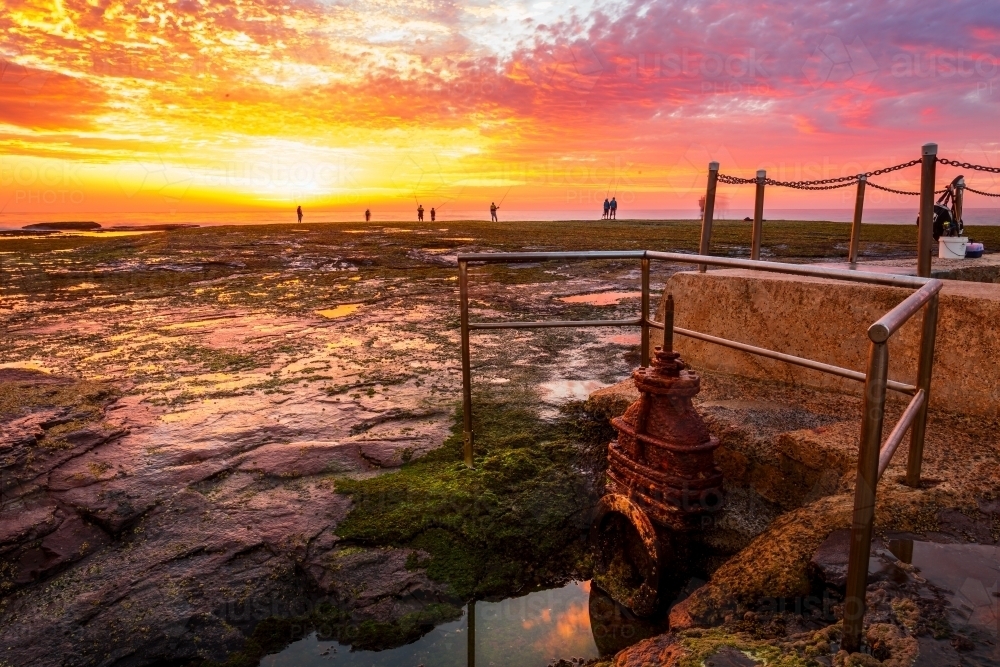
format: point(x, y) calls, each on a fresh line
point(504, 196)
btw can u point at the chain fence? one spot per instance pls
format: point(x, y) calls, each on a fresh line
point(845, 181)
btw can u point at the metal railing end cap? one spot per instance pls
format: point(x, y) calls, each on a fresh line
point(878, 333)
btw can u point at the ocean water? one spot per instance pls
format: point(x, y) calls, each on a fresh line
point(973, 216)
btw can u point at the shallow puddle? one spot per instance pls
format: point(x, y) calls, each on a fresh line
point(339, 311)
point(533, 630)
point(562, 391)
point(625, 339)
point(970, 573)
point(600, 298)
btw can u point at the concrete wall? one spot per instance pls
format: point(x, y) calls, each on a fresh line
point(827, 320)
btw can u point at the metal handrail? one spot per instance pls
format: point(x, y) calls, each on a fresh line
point(873, 455)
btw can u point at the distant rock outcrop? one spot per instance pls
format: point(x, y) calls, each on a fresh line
point(64, 226)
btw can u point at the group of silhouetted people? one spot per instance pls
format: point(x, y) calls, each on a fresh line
point(420, 213)
point(610, 209)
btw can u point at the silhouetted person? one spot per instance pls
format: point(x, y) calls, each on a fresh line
point(493, 212)
point(368, 215)
point(420, 212)
point(298, 211)
point(433, 214)
point(607, 208)
point(614, 209)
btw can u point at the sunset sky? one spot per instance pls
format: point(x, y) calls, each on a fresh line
point(191, 105)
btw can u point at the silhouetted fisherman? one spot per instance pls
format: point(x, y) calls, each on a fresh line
point(298, 211)
point(607, 208)
point(368, 215)
point(614, 209)
point(420, 212)
point(433, 214)
point(493, 212)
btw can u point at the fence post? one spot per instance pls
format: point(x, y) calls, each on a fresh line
point(925, 232)
point(928, 333)
point(859, 207)
point(471, 647)
point(758, 215)
point(463, 291)
point(707, 217)
point(864, 494)
point(644, 357)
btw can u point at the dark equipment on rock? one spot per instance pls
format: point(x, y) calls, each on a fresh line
point(948, 210)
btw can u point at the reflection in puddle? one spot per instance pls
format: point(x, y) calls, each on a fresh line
point(625, 339)
point(600, 298)
point(339, 311)
point(528, 631)
point(197, 323)
point(969, 573)
point(563, 391)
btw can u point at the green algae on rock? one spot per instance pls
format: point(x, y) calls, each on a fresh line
point(516, 520)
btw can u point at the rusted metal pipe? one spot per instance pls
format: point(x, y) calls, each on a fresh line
point(709, 214)
point(925, 365)
point(864, 495)
point(549, 324)
point(925, 230)
point(467, 434)
point(901, 387)
point(890, 323)
point(758, 215)
point(644, 343)
point(859, 207)
point(869, 277)
point(899, 430)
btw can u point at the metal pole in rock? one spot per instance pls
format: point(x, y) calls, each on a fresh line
point(864, 495)
point(859, 207)
point(925, 366)
point(925, 232)
point(758, 215)
point(706, 220)
point(468, 435)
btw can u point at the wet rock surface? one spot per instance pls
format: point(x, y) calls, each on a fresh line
point(180, 413)
point(178, 409)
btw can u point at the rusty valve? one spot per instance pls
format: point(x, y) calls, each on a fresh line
point(661, 481)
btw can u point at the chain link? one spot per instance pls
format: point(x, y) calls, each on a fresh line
point(966, 165)
point(733, 180)
point(845, 181)
point(903, 192)
point(893, 190)
point(821, 184)
point(985, 194)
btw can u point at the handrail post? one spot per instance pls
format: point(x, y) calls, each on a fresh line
point(758, 215)
point(859, 207)
point(926, 364)
point(709, 214)
point(463, 291)
point(864, 494)
point(925, 231)
point(644, 356)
